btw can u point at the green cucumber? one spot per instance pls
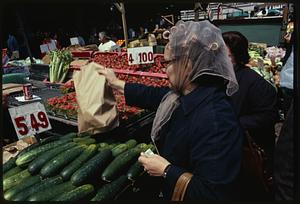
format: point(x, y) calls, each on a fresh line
point(32, 154)
point(78, 139)
point(49, 139)
point(122, 162)
point(89, 152)
point(40, 186)
point(35, 166)
point(27, 182)
point(111, 146)
point(110, 190)
point(28, 148)
point(69, 135)
point(131, 143)
point(84, 134)
point(15, 179)
point(55, 191)
point(12, 172)
point(77, 193)
point(86, 141)
point(42, 142)
point(102, 145)
point(91, 167)
point(135, 170)
point(119, 149)
point(11, 163)
point(59, 161)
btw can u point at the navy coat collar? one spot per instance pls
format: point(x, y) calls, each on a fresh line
point(190, 101)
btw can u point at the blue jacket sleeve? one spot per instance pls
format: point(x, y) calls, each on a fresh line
point(144, 96)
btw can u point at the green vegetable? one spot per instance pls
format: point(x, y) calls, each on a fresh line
point(27, 182)
point(102, 145)
point(40, 186)
point(60, 60)
point(69, 135)
point(11, 163)
point(67, 172)
point(32, 154)
point(119, 149)
point(77, 193)
point(134, 171)
point(92, 167)
point(59, 161)
point(12, 172)
point(87, 141)
point(110, 190)
point(52, 193)
point(36, 165)
point(122, 162)
point(131, 143)
point(15, 179)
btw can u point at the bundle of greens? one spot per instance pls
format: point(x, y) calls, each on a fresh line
point(59, 65)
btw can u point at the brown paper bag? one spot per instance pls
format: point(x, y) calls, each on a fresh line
point(97, 110)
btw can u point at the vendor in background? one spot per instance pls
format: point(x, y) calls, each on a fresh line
point(195, 129)
point(106, 44)
point(255, 101)
point(93, 39)
point(12, 46)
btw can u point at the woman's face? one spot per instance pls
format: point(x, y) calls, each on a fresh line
point(169, 66)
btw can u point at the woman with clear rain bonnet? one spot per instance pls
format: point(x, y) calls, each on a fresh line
point(195, 129)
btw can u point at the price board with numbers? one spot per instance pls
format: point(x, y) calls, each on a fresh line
point(140, 55)
point(29, 119)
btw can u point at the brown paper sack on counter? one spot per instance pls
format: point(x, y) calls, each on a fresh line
point(97, 110)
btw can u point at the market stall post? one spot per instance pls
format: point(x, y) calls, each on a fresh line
point(121, 8)
point(196, 10)
point(24, 36)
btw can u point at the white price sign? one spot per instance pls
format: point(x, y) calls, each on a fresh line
point(29, 119)
point(44, 48)
point(74, 41)
point(140, 55)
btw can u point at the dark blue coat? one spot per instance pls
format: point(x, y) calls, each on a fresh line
point(202, 137)
point(255, 104)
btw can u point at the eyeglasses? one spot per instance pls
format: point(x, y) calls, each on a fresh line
point(166, 63)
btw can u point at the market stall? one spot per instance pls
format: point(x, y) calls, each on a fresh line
point(117, 150)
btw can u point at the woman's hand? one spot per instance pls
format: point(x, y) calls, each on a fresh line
point(112, 80)
point(153, 164)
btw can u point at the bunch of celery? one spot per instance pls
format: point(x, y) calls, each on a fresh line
point(59, 65)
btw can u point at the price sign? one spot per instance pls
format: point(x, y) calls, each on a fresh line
point(52, 45)
point(140, 55)
point(44, 48)
point(29, 119)
point(74, 41)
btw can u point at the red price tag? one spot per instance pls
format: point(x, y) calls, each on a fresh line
point(140, 55)
point(29, 119)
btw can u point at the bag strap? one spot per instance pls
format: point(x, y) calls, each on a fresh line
point(181, 186)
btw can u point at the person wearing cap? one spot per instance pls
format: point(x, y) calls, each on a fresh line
point(195, 131)
point(106, 44)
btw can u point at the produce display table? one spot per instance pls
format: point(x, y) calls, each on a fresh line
point(16, 69)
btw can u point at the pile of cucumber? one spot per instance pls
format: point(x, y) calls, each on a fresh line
point(72, 167)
